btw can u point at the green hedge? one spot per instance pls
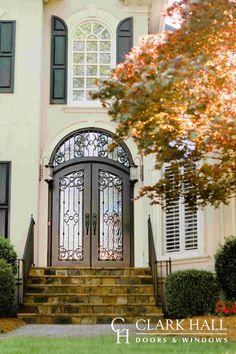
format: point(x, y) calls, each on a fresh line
point(225, 266)
point(7, 289)
point(190, 292)
point(8, 253)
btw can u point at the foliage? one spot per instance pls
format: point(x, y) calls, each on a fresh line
point(190, 292)
point(225, 266)
point(225, 308)
point(175, 96)
point(7, 289)
point(8, 253)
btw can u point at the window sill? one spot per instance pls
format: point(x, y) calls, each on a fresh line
point(85, 107)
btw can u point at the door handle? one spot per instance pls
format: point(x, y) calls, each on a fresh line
point(94, 223)
point(87, 222)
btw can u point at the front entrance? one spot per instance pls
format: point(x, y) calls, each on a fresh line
point(91, 214)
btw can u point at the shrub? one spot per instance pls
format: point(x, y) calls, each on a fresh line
point(190, 292)
point(8, 253)
point(225, 266)
point(7, 289)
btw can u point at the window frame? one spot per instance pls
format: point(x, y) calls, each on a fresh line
point(72, 31)
point(6, 206)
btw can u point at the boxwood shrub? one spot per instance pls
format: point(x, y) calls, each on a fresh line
point(7, 289)
point(225, 266)
point(190, 292)
point(8, 253)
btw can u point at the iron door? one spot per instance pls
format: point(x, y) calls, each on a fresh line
point(91, 216)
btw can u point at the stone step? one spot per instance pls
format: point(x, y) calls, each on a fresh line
point(89, 295)
point(90, 279)
point(127, 310)
point(146, 289)
point(100, 318)
point(89, 298)
point(73, 271)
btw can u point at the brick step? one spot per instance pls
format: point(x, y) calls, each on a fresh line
point(84, 318)
point(91, 289)
point(89, 298)
point(131, 309)
point(90, 279)
point(88, 271)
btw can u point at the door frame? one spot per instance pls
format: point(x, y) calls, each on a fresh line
point(91, 160)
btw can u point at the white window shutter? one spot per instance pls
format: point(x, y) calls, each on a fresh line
point(172, 220)
point(181, 224)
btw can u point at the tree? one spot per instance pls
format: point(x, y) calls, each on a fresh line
point(175, 96)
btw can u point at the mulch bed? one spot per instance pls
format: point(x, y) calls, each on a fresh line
point(8, 324)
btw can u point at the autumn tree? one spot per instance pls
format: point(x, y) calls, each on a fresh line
point(175, 96)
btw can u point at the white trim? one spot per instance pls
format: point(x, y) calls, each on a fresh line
point(86, 109)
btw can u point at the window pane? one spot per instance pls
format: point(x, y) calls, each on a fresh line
point(79, 35)
point(105, 58)
point(91, 36)
point(105, 34)
point(78, 83)
point(86, 28)
point(91, 83)
point(78, 95)
point(79, 58)
point(88, 95)
point(92, 46)
point(97, 28)
point(79, 70)
point(79, 46)
point(105, 70)
point(105, 46)
point(92, 58)
point(92, 70)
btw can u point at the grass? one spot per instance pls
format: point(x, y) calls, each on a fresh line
point(106, 344)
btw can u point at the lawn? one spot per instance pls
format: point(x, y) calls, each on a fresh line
point(106, 344)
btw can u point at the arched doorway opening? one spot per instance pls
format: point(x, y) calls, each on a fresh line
point(91, 195)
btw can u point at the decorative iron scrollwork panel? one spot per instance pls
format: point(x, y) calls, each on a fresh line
point(71, 199)
point(92, 143)
point(110, 187)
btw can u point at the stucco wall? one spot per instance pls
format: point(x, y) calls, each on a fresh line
point(20, 115)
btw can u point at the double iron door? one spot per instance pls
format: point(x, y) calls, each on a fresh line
point(91, 216)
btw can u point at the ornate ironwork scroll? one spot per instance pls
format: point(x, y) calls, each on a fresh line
point(71, 200)
point(92, 143)
point(110, 246)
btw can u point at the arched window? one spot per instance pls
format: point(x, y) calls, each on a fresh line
point(89, 143)
point(92, 58)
